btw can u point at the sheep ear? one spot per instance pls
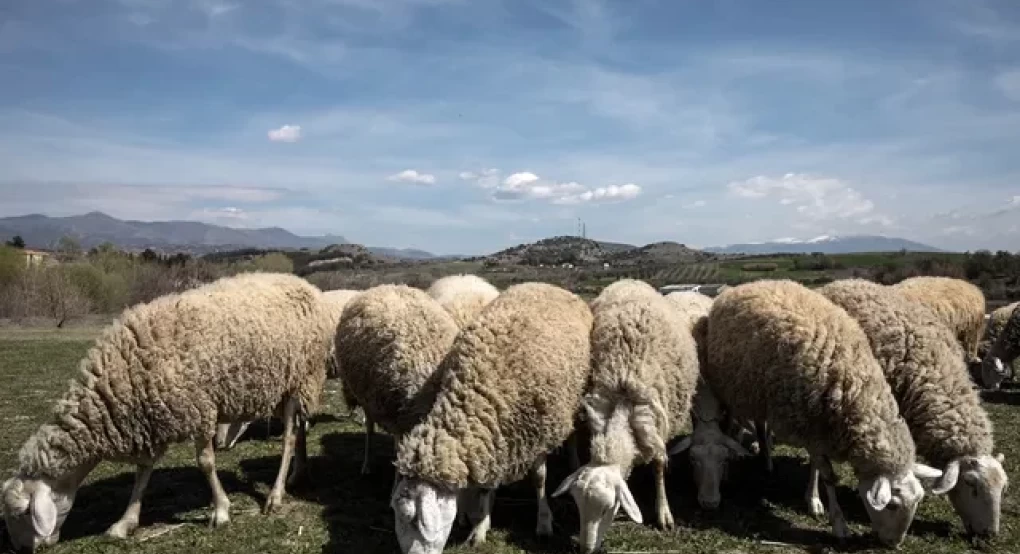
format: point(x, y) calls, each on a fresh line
point(568, 482)
point(948, 479)
point(44, 512)
point(1000, 457)
point(681, 446)
point(735, 447)
point(880, 493)
point(626, 500)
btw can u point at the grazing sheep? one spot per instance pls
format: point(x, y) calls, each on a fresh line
point(464, 296)
point(996, 322)
point(510, 389)
point(389, 343)
point(1002, 353)
point(780, 352)
point(924, 366)
point(168, 371)
point(644, 369)
point(957, 303)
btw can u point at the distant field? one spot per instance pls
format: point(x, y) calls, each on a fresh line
point(347, 513)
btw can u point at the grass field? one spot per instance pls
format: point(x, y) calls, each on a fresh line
point(345, 512)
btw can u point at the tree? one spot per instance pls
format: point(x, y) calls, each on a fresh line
point(68, 247)
point(58, 296)
point(12, 265)
point(16, 242)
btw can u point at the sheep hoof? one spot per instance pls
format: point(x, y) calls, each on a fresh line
point(544, 529)
point(121, 529)
point(219, 518)
point(477, 537)
point(666, 522)
point(815, 507)
point(273, 504)
point(841, 530)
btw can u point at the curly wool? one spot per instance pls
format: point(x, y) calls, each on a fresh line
point(780, 352)
point(510, 388)
point(464, 296)
point(644, 358)
point(958, 304)
point(924, 365)
point(390, 340)
point(168, 370)
point(993, 327)
point(336, 301)
point(1007, 345)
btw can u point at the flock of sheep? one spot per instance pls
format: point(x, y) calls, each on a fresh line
point(478, 386)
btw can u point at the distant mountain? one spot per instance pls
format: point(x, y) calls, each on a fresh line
point(658, 253)
point(827, 245)
point(95, 228)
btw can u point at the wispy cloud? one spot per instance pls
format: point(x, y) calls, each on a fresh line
point(287, 133)
point(413, 177)
point(816, 198)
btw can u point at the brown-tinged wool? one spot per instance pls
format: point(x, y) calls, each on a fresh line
point(780, 352)
point(464, 296)
point(1007, 345)
point(642, 355)
point(168, 370)
point(389, 343)
point(336, 301)
point(959, 304)
point(694, 306)
point(993, 327)
point(924, 365)
point(509, 391)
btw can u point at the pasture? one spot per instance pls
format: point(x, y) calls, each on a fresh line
point(339, 510)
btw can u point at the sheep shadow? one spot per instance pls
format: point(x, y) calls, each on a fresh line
point(1004, 396)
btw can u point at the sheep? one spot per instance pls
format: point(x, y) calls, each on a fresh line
point(510, 388)
point(780, 352)
point(924, 366)
point(389, 343)
point(1002, 353)
point(996, 322)
point(644, 369)
point(958, 304)
point(227, 434)
point(167, 371)
point(464, 296)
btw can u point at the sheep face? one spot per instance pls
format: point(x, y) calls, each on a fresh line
point(993, 372)
point(891, 502)
point(975, 486)
point(599, 491)
point(34, 512)
point(424, 515)
point(710, 452)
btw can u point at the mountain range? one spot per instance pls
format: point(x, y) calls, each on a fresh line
point(94, 228)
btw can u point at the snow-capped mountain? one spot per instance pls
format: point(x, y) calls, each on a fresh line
point(827, 244)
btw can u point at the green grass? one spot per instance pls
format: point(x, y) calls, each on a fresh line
point(341, 511)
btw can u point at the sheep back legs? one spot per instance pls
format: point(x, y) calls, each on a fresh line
point(665, 516)
point(300, 453)
point(275, 499)
point(129, 521)
point(206, 454)
point(545, 519)
point(366, 466)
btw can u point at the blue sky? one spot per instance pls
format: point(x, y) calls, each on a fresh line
point(464, 126)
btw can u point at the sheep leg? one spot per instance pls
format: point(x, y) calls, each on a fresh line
point(206, 449)
point(483, 518)
point(666, 522)
point(275, 499)
point(764, 444)
point(545, 519)
point(814, 502)
point(366, 466)
point(129, 521)
point(828, 477)
point(572, 455)
point(300, 453)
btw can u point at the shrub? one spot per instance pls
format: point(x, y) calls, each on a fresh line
point(760, 266)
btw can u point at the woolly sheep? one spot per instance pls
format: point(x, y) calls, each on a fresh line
point(389, 343)
point(510, 389)
point(924, 366)
point(167, 371)
point(644, 370)
point(464, 296)
point(1002, 353)
point(957, 303)
point(227, 434)
point(807, 369)
point(992, 375)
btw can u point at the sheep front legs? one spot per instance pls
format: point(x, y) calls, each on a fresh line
point(665, 516)
point(479, 513)
point(538, 475)
point(206, 450)
point(275, 499)
point(764, 443)
point(129, 521)
point(366, 466)
point(823, 466)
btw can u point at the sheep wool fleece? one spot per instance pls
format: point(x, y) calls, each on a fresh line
point(171, 369)
point(780, 352)
point(510, 389)
point(959, 304)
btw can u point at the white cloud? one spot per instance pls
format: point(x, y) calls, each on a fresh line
point(526, 185)
point(815, 198)
point(610, 193)
point(412, 176)
point(287, 133)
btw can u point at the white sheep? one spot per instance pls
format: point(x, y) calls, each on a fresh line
point(464, 296)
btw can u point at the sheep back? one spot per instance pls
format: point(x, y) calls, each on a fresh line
point(924, 365)
point(389, 343)
point(510, 388)
point(780, 352)
point(169, 370)
point(463, 296)
point(994, 326)
point(959, 304)
point(336, 301)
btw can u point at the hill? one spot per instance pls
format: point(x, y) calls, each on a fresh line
point(658, 253)
point(94, 228)
point(582, 251)
point(827, 245)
